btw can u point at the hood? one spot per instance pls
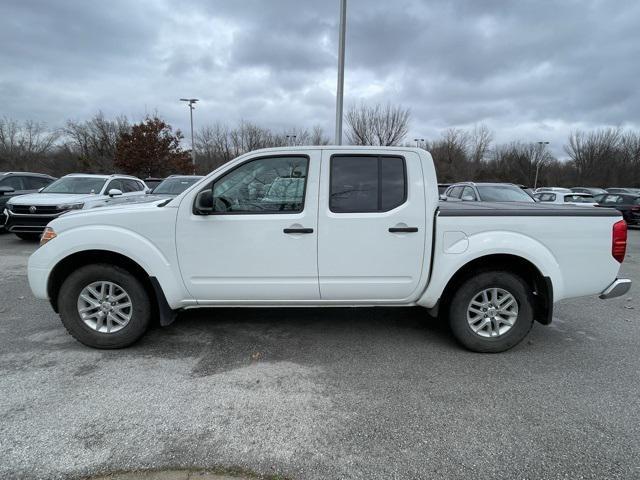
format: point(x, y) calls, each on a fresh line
point(51, 198)
point(116, 208)
point(122, 201)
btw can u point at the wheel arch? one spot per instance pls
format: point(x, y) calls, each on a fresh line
point(541, 286)
point(86, 257)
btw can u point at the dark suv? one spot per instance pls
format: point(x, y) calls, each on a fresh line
point(19, 183)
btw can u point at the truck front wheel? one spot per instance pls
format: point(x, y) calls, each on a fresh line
point(104, 306)
point(491, 312)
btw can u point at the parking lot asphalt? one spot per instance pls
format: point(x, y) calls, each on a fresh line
point(321, 393)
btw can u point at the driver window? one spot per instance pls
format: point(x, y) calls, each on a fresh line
point(265, 185)
point(468, 194)
point(117, 184)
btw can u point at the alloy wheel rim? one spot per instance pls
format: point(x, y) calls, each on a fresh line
point(105, 307)
point(492, 312)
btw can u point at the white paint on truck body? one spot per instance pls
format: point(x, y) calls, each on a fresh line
point(348, 259)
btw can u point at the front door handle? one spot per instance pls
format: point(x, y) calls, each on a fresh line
point(403, 229)
point(298, 230)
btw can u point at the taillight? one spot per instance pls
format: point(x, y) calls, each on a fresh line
point(619, 240)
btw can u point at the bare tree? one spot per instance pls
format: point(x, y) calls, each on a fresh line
point(595, 155)
point(26, 145)
point(377, 125)
point(479, 143)
point(94, 141)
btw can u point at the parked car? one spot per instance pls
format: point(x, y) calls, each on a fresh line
point(168, 188)
point(487, 192)
point(589, 190)
point(19, 183)
point(153, 182)
point(574, 198)
point(626, 203)
point(29, 214)
point(633, 191)
point(553, 189)
point(364, 229)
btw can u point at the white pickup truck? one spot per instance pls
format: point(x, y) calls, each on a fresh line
point(326, 226)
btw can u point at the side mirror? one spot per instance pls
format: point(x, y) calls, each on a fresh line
point(114, 192)
point(148, 190)
point(40, 189)
point(6, 190)
point(204, 203)
point(443, 197)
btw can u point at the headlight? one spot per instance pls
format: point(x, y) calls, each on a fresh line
point(70, 206)
point(47, 235)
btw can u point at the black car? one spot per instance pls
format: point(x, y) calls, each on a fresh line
point(628, 204)
point(633, 191)
point(19, 183)
point(589, 190)
point(153, 182)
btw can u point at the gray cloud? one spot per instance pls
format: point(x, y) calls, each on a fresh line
point(528, 69)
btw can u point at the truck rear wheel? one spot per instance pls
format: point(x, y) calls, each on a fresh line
point(104, 306)
point(491, 312)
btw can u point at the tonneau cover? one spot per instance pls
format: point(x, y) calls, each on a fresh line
point(520, 209)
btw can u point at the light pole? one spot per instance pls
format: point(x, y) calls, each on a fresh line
point(340, 89)
point(191, 102)
point(542, 147)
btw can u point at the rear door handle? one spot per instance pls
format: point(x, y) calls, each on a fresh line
point(298, 230)
point(403, 229)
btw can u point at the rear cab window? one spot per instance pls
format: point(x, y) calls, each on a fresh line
point(367, 183)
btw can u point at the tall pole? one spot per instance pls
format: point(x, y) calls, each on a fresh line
point(340, 89)
point(191, 103)
point(193, 148)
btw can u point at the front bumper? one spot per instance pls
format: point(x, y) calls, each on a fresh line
point(19, 223)
point(619, 287)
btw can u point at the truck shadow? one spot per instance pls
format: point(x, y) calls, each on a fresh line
point(228, 338)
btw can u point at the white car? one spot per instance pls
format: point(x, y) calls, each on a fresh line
point(553, 189)
point(28, 215)
point(326, 226)
point(562, 198)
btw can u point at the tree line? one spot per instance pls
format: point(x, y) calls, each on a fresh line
point(601, 157)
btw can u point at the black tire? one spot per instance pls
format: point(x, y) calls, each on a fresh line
point(68, 298)
point(469, 289)
point(29, 237)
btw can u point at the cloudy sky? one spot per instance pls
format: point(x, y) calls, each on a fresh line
point(530, 70)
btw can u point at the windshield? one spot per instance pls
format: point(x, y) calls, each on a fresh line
point(503, 193)
point(76, 185)
point(175, 186)
point(579, 199)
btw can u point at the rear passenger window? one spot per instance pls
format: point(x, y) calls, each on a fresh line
point(362, 183)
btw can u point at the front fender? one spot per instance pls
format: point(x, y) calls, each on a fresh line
point(447, 262)
point(162, 266)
